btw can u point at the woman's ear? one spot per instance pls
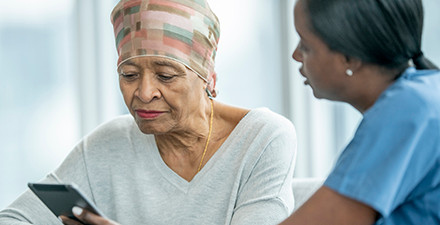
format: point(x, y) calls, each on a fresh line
point(211, 85)
point(353, 64)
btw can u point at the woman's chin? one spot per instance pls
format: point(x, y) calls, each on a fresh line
point(327, 96)
point(148, 127)
point(317, 94)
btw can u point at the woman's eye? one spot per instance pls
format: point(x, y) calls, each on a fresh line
point(165, 77)
point(301, 46)
point(129, 76)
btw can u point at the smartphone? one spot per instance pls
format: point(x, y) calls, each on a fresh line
point(61, 198)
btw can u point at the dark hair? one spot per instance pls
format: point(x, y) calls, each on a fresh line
point(382, 32)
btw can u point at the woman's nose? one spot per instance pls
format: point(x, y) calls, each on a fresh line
point(148, 90)
point(297, 55)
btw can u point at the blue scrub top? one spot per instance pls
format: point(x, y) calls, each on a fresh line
point(393, 162)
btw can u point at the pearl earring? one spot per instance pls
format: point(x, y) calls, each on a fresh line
point(349, 72)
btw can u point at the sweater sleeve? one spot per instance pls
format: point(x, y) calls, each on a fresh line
point(28, 209)
point(266, 197)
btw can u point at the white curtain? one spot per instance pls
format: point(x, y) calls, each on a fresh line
point(256, 70)
point(97, 79)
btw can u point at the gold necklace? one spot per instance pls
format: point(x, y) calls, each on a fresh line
point(209, 136)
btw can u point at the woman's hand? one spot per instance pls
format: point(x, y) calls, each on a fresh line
point(87, 218)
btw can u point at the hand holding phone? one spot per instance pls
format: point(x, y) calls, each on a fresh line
point(61, 198)
point(87, 218)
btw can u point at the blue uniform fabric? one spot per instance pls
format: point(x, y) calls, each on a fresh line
point(393, 162)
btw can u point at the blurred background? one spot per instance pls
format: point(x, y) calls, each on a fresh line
point(58, 80)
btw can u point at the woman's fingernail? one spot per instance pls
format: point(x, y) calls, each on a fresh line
point(77, 210)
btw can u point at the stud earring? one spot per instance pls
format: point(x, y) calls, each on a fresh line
point(349, 72)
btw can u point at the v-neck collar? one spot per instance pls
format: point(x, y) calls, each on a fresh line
point(179, 182)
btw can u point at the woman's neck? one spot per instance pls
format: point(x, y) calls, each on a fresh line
point(186, 142)
point(189, 137)
point(369, 85)
point(183, 149)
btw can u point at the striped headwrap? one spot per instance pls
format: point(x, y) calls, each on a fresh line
point(183, 30)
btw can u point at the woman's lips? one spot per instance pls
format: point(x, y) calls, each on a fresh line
point(306, 82)
point(148, 114)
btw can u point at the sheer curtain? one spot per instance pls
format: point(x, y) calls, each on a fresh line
point(255, 69)
point(59, 81)
point(38, 113)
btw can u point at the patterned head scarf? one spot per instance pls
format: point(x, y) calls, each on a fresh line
point(183, 30)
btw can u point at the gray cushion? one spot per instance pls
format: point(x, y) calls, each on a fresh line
point(304, 188)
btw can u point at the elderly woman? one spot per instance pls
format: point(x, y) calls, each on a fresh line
point(180, 157)
point(368, 53)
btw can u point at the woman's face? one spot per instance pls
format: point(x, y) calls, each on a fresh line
point(162, 94)
point(323, 69)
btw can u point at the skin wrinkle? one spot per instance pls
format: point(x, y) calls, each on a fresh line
point(155, 75)
point(181, 132)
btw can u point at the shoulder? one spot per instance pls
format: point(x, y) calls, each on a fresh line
point(413, 97)
point(417, 87)
point(122, 123)
point(118, 129)
point(259, 120)
point(261, 126)
point(266, 119)
point(112, 143)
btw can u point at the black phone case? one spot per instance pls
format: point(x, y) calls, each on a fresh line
point(61, 198)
